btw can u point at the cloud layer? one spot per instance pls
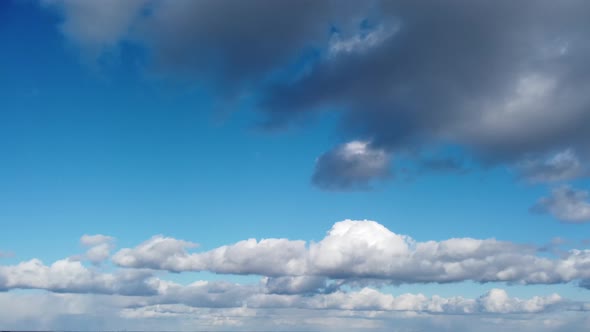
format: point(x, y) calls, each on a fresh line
point(366, 250)
point(340, 279)
point(505, 81)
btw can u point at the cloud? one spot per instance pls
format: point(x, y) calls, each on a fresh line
point(506, 81)
point(99, 247)
point(298, 285)
point(351, 166)
point(566, 204)
point(562, 166)
point(71, 276)
point(157, 252)
point(271, 257)
point(366, 250)
point(502, 90)
point(96, 26)
point(138, 300)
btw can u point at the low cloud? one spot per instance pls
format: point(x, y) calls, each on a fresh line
point(566, 204)
point(354, 250)
point(70, 276)
point(99, 247)
point(561, 166)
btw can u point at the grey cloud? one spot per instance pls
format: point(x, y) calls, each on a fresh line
point(355, 250)
point(562, 166)
point(96, 26)
point(566, 204)
point(298, 285)
point(507, 81)
point(350, 166)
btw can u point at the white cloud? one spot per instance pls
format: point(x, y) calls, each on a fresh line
point(99, 247)
point(358, 250)
point(71, 276)
point(158, 253)
point(566, 204)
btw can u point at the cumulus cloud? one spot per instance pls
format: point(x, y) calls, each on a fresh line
point(99, 247)
point(72, 277)
point(328, 288)
point(355, 250)
point(351, 166)
point(566, 204)
point(271, 257)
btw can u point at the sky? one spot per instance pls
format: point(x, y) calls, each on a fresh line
point(295, 165)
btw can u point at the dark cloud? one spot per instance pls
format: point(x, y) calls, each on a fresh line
point(233, 46)
point(508, 81)
point(351, 166)
point(562, 166)
point(504, 79)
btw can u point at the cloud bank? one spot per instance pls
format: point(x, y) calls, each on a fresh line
point(342, 279)
point(366, 250)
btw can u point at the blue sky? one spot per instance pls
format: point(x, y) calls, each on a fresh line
point(125, 120)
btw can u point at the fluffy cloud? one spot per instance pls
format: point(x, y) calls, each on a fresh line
point(351, 166)
point(507, 81)
point(566, 204)
point(355, 250)
point(271, 257)
point(71, 276)
point(351, 251)
point(99, 247)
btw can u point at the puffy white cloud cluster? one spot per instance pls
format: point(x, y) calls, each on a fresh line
point(333, 282)
point(70, 276)
point(365, 250)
